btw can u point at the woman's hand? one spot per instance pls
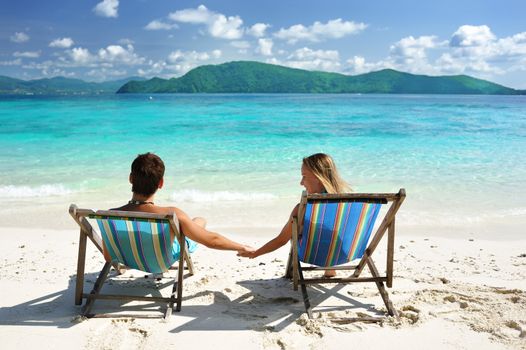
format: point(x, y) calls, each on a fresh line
point(247, 252)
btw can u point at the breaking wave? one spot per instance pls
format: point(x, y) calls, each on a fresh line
point(11, 191)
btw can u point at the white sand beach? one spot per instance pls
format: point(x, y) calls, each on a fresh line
point(452, 293)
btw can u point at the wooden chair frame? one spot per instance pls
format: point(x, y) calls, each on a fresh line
point(295, 270)
point(87, 231)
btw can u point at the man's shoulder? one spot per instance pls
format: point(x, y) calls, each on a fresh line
point(153, 209)
point(169, 210)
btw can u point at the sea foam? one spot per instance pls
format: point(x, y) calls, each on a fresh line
point(197, 196)
point(11, 191)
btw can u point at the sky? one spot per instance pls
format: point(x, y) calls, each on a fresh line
point(100, 40)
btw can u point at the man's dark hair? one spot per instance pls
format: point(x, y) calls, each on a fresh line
point(147, 170)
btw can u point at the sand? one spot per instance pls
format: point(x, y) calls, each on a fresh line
point(452, 293)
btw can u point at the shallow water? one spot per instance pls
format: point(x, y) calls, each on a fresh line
point(460, 158)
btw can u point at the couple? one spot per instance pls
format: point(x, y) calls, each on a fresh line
point(318, 175)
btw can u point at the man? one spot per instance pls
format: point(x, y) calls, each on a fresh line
point(147, 172)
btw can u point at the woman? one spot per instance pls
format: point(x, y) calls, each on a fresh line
point(318, 175)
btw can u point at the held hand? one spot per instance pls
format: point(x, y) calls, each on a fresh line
point(247, 252)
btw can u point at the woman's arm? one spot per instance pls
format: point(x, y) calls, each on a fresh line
point(210, 239)
point(279, 241)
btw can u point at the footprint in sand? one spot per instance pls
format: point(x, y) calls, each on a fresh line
point(411, 313)
point(119, 334)
point(309, 326)
point(260, 306)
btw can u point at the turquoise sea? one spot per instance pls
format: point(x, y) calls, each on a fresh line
point(237, 157)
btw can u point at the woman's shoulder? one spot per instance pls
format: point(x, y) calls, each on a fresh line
point(295, 210)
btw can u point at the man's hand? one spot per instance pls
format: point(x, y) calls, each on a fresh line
point(247, 252)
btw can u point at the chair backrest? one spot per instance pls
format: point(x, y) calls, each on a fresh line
point(336, 231)
point(137, 242)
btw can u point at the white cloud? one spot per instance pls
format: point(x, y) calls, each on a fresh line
point(159, 25)
point(120, 55)
point(107, 8)
point(358, 65)
point(102, 74)
point(258, 30)
point(188, 56)
point(467, 35)
point(333, 29)
point(63, 43)
point(475, 49)
point(218, 25)
point(196, 16)
point(413, 48)
point(411, 53)
point(216, 53)
point(154, 68)
point(240, 44)
point(126, 41)
point(472, 50)
point(179, 56)
point(306, 58)
point(106, 62)
point(55, 72)
point(178, 63)
point(81, 56)
point(308, 54)
point(27, 54)
point(226, 28)
point(265, 46)
point(19, 37)
point(16, 62)
point(46, 65)
point(514, 45)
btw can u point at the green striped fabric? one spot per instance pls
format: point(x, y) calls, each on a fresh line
point(140, 244)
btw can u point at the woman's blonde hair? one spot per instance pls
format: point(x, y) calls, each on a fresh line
point(324, 168)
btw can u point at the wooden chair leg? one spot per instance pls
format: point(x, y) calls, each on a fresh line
point(168, 311)
point(189, 263)
point(179, 285)
point(81, 262)
point(173, 300)
point(375, 240)
point(390, 254)
point(288, 268)
point(306, 300)
point(381, 288)
point(96, 289)
point(295, 258)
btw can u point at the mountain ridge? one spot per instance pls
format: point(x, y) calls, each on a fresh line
point(59, 86)
point(257, 77)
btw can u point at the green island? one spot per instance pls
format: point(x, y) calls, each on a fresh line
point(257, 77)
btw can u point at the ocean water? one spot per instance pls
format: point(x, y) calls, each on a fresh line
point(236, 158)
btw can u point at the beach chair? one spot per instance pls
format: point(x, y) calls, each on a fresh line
point(332, 230)
point(134, 239)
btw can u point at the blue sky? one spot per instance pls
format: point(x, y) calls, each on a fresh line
point(112, 39)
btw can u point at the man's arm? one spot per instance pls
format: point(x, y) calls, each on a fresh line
point(208, 238)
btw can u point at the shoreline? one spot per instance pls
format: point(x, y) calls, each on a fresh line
point(269, 224)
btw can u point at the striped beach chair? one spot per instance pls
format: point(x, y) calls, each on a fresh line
point(143, 241)
point(333, 230)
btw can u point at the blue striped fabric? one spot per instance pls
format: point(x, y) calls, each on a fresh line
point(335, 233)
point(143, 245)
